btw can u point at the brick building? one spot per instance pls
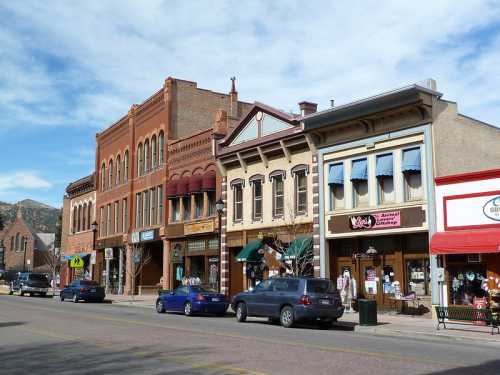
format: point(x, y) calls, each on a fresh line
point(24, 249)
point(77, 237)
point(132, 173)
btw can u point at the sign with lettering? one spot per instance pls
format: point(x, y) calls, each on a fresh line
point(378, 220)
point(148, 235)
point(491, 209)
point(200, 227)
point(134, 237)
point(472, 210)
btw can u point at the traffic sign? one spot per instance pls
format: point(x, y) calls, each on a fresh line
point(76, 262)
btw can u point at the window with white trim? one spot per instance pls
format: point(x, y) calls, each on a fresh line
point(238, 202)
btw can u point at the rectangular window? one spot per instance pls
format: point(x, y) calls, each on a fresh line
point(278, 196)
point(116, 217)
point(152, 206)
point(257, 199)
point(145, 216)
point(138, 210)
point(159, 199)
point(186, 202)
point(301, 192)
point(198, 204)
point(412, 171)
point(360, 192)
point(238, 202)
point(211, 203)
point(386, 189)
point(174, 204)
point(101, 224)
point(108, 222)
point(124, 215)
point(337, 197)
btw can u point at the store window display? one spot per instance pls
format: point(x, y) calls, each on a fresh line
point(418, 277)
point(467, 283)
point(347, 286)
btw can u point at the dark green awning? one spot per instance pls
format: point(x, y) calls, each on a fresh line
point(299, 247)
point(250, 252)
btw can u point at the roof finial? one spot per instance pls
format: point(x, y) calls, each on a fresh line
point(233, 85)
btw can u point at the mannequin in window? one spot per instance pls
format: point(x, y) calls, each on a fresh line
point(347, 286)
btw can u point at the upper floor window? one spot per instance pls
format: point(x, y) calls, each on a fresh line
point(103, 176)
point(186, 205)
point(154, 154)
point(125, 166)
point(299, 173)
point(140, 160)
point(18, 239)
point(101, 222)
point(138, 210)
point(336, 184)
point(384, 173)
point(75, 219)
point(146, 156)
point(161, 147)
point(145, 216)
point(359, 178)
point(12, 243)
point(84, 217)
point(237, 187)
point(211, 202)
point(174, 206)
point(108, 219)
point(412, 171)
point(124, 215)
point(110, 177)
point(152, 217)
point(278, 181)
point(159, 199)
point(89, 215)
point(118, 170)
point(198, 204)
point(115, 217)
point(256, 184)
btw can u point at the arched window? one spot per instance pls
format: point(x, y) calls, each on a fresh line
point(125, 167)
point(79, 220)
point(17, 241)
point(161, 147)
point(154, 154)
point(89, 215)
point(84, 217)
point(22, 244)
point(110, 177)
point(140, 158)
point(103, 176)
point(146, 156)
point(118, 170)
point(12, 243)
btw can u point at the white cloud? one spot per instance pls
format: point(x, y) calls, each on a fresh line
point(85, 63)
point(27, 180)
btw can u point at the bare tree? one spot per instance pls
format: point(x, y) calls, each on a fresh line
point(52, 260)
point(140, 258)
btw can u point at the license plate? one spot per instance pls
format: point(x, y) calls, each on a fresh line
point(324, 301)
point(215, 299)
point(92, 290)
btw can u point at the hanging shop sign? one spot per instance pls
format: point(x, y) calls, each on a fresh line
point(135, 237)
point(199, 227)
point(147, 235)
point(108, 253)
point(378, 220)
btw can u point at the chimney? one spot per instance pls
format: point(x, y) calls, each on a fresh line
point(220, 123)
point(306, 108)
point(233, 97)
point(332, 103)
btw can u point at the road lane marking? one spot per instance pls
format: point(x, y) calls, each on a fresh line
point(330, 348)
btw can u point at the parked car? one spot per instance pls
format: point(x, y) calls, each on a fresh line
point(192, 299)
point(31, 283)
point(290, 300)
point(84, 290)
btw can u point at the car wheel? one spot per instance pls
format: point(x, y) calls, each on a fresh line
point(160, 309)
point(241, 312)
point(188, 309)
point(75, 298)
point(325, 324)
point(21, 293)
point(286, 317)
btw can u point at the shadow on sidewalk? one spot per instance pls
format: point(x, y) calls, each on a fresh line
point(487, 368)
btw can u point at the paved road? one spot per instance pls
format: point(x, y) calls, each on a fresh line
point(45, 336)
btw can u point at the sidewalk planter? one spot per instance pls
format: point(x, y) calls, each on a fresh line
point(367, 312)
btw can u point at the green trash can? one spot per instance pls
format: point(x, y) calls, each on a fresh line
point(367, 312)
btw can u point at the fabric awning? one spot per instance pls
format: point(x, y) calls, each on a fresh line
point(182, 187)
point(384, 165)
point(411, 160)
point(299, 247)
point(250, 253)
point(336, 174)
point(466, 242)
point(208, 182)
point(172, 189)
point(359, 170)
point(195, 183)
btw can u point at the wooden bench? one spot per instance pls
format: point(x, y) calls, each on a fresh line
point(466, 314)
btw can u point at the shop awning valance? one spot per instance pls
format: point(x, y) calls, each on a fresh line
point(411, 160)
point(172, 189)
point(182, 187)
point(250, 252)
point(209, 181)
point(195, 183)
point(336, 174)
point(384, 165)
point(299, 247)
point(359, 170)
point(466, 242)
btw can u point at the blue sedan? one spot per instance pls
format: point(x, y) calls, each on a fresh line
point(191, 299)
point(83, 290)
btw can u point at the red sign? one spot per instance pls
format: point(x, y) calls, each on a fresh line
point(378, 220)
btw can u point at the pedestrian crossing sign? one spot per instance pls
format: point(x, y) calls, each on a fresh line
point(76, 262)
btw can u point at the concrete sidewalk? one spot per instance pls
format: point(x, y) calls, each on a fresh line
point(145, 301)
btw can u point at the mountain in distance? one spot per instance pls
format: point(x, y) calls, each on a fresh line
point(39, 216)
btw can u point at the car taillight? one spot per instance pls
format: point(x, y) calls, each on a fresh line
point(200, 297)
point(305, 300)
point(84, 289)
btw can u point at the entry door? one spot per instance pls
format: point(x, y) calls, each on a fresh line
point(369, 286)
point(235, 273)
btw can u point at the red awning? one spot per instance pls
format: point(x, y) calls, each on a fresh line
point(172, 189)
point(209, 181)
point(195, 183)
point(182, 186)
point(466, 242)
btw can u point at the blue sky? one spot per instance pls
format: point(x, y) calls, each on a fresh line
point(70, 69)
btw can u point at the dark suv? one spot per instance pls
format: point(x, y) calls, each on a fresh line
point(27, 282)
point(290, 300)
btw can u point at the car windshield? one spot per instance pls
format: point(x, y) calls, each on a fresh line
point(37, 277)
point(88, 283)
point(202, 289)
point(320, 286)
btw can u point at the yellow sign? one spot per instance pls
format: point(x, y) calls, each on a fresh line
point(200, 227)
point(76, 262)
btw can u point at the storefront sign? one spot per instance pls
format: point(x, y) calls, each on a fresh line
point(468, 211)
point(491, 209)
point(375, 221)
point(108, 253)
point(148, 235)
point(134, 237)
point(116, 241)
point(200, 227)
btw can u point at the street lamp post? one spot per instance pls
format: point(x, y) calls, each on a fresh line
point(94, 234)
point(219, 205)
point(24, 257)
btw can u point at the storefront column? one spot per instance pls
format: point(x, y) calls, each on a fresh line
point(128, 271)
point(166, 264)
point(224, 254)
point(120, 271)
